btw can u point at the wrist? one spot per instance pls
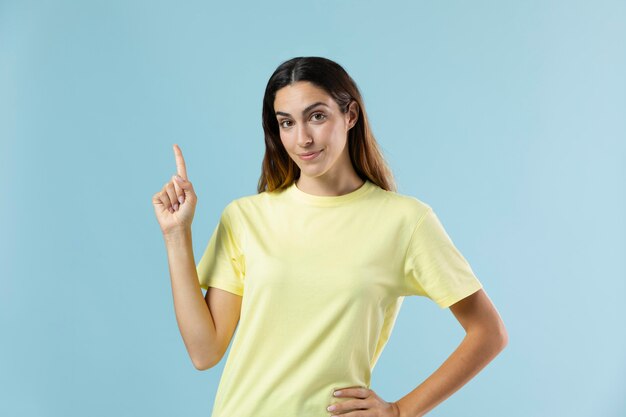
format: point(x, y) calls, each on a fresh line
point(176, 235)
point(402, 411)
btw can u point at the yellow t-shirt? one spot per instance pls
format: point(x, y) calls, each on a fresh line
point(322, 280)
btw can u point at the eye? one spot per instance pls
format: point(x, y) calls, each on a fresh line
point(319, 114)
point(314, 115)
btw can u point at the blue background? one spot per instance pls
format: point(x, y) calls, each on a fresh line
point(508, 118)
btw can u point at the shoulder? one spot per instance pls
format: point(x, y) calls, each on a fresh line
point(240, 212)
point(408, 206)
point(247, 203)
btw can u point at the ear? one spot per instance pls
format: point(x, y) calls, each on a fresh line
point(352, 114)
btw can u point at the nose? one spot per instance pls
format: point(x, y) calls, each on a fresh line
point(303, 135)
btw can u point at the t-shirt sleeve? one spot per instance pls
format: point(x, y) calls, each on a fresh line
point(434, 267)
point(223, 263)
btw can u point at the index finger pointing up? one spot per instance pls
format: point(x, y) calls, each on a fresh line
point(180, 162)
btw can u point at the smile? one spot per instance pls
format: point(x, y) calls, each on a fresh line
point(308, 157)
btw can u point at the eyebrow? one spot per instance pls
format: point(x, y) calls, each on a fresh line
point(303, 111)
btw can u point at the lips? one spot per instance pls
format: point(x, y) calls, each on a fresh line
point(310, 155)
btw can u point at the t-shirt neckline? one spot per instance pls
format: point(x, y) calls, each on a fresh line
point(329, 200)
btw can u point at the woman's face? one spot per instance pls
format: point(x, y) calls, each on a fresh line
point(310, 121)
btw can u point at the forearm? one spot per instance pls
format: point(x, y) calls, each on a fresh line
point(192, 313)
point(472, 355)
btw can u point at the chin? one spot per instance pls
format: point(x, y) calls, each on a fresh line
point(310, 172)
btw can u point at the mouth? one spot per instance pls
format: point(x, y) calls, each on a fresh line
point(310, 155)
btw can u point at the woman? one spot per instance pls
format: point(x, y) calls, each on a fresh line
point(314, 267)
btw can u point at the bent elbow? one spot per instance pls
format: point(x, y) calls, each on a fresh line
point(495, 339)
point(202, 364)
point(505, 339)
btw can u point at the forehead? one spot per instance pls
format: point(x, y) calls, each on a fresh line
point(299, 95)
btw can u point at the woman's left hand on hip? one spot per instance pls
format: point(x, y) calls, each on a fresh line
point(365, 403)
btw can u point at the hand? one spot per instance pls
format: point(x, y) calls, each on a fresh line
point(365, 404)
point(175, 204)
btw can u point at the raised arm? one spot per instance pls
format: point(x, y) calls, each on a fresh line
point(205, 323)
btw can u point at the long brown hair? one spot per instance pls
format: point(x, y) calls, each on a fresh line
point(279, 171)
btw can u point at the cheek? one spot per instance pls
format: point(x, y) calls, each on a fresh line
point(337, 138)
